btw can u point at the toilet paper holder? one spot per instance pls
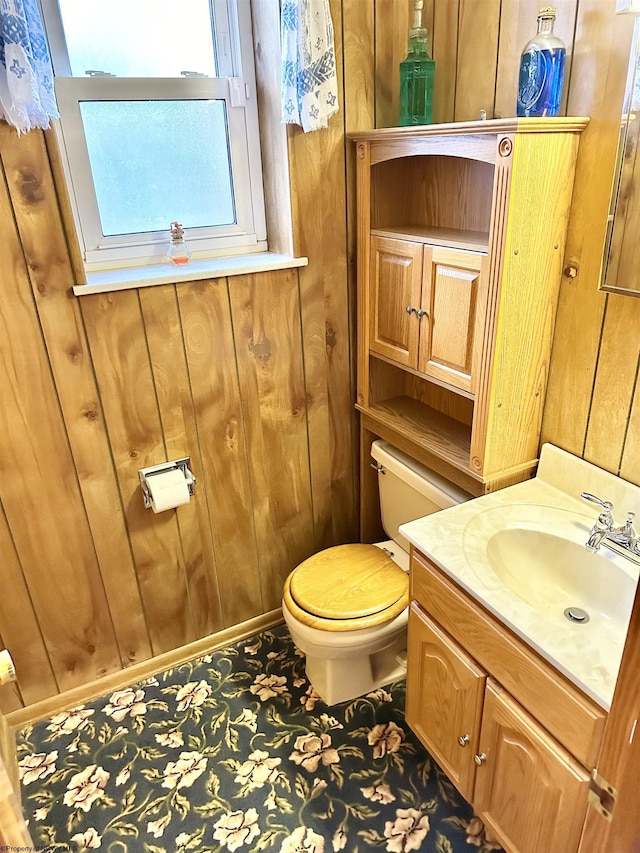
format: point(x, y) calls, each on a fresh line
point(176, 464)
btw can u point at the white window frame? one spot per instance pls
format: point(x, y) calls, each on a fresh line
point(235, 85)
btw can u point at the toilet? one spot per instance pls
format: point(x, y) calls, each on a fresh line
point(347, 607)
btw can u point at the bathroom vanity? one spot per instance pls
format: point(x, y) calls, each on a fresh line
point(507, 691)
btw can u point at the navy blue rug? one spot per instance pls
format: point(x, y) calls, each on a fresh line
point(236, 752)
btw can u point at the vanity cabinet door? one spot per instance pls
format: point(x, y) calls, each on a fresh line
point(529, 791)
point(444, 698)
point(452, 330)
point(395, 284)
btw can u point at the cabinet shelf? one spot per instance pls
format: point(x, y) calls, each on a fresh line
point(447, 386)
point(426, 427)
point(456, 238)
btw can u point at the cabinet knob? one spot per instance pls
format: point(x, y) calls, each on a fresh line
point(480, 759)
point(463, 740)
point(420, 313)
point(409, 309)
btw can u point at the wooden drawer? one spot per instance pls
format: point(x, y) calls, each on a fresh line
point(575, 720)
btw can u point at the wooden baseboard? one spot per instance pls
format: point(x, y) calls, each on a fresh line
point(139, 671)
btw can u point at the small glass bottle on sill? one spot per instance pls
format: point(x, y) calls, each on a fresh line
point(178, 251)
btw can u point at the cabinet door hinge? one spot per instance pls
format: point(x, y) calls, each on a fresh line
point(602, 795)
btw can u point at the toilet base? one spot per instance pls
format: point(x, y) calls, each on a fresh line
point(343, 679)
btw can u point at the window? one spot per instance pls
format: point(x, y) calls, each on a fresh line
point(158, 123)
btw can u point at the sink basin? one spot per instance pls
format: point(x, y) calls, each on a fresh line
point(520, 553)
point(513, 546)
point(551, 573)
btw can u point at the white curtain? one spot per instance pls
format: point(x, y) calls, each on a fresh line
point(309, 84)
point(27, 98)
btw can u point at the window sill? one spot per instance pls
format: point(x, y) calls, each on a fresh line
point(135, 277)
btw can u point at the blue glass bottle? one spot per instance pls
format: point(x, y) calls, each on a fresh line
point(542, 70)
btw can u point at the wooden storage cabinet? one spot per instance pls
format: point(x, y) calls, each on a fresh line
point(428, 308)
point(461, 231)
point(528, 787)
point(395, 285)
point(445, 692)
point(529, 791)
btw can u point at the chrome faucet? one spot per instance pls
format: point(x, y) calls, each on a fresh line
point(605, 532)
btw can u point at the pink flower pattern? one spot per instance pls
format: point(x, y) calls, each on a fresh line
point(236, 752)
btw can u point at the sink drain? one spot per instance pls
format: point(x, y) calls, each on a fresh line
point(577, 614)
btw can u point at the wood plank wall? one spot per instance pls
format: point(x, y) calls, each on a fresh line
point(252, 376)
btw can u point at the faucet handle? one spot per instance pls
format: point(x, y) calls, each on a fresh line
point(626, 532)
point(607, 505)
point(628, 525)
point(605, 518)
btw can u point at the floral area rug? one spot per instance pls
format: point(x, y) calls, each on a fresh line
point(236, 752)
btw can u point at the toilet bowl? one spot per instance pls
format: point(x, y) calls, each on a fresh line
point(347, 607)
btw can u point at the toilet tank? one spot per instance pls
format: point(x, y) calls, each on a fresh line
point(409, 490)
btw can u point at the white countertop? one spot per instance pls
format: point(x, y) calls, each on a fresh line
point(456, 540)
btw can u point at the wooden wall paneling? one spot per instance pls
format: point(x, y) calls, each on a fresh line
point(329, 421)
point(116, 334)
point(615, 383)
point(630, 465)
point(65, 207)
point(617, 364)
point(370, 521)
point(10, 698)
point(358, 28)
point(340, 340)
point(358, 50)
point(307, 149)
point(41, 233)
point(164, 338)
point(211, 361)
point(273, 137)
point(479, 26)
point(266, 320)
point(597, 89)
point(392, 23)
point(318, 178)
point(518, 24)
point(39, 489)
point(443, 40)
point(20, 631)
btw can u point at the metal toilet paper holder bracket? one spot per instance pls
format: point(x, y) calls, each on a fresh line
point(181, 464)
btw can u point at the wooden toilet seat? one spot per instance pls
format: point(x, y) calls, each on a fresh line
point(347, 588)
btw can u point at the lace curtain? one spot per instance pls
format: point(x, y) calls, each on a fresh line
point(309, 85)
point(27, 98)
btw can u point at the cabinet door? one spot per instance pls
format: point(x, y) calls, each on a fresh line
point(395, 284)
point(454, 298)
point(445, 689)
point(530, 792)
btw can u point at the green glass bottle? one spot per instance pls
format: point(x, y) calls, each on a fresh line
point(417, 73)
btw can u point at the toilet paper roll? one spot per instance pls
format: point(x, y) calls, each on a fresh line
point(168, 490)
point(7, 669)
